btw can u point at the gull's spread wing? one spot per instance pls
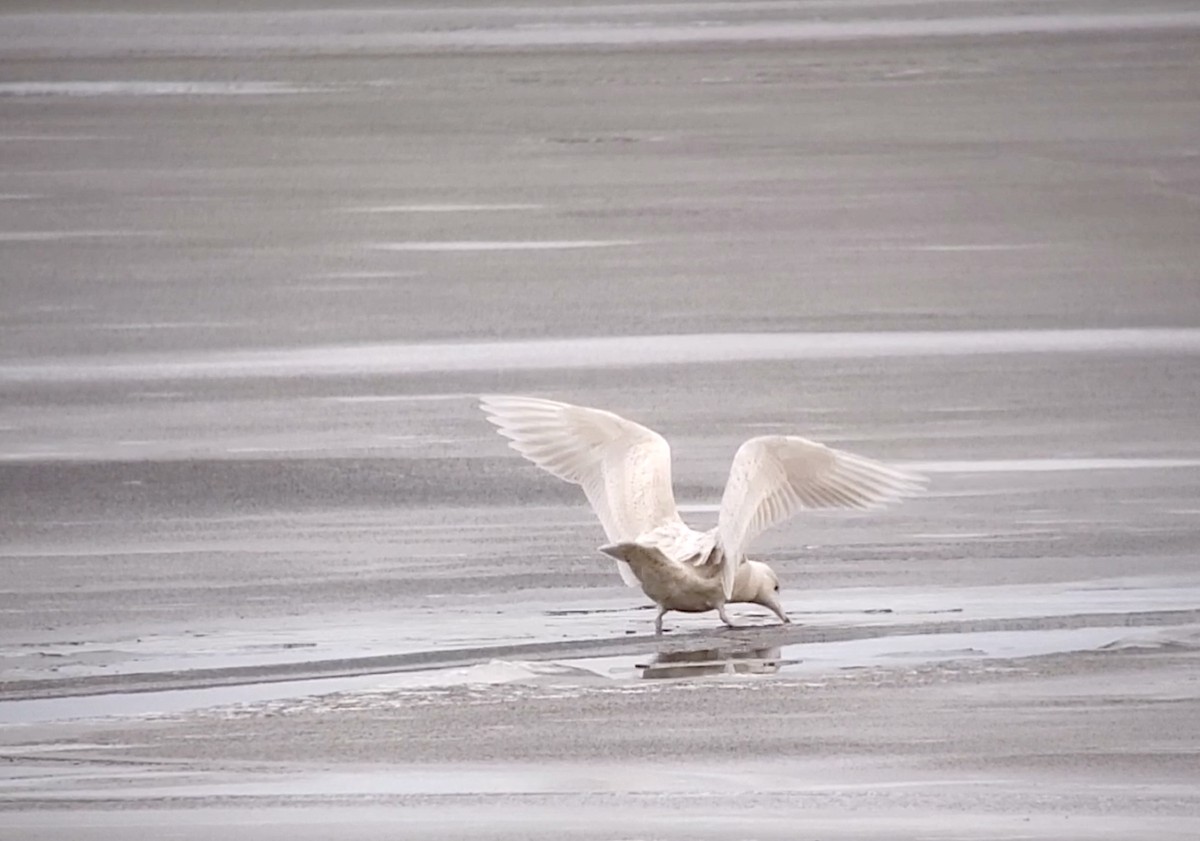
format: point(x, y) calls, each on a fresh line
point(623, 467)
point(776, 476)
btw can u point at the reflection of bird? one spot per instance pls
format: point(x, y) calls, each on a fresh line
point(711, 661)
point(625, 471)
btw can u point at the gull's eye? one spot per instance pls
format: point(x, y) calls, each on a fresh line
point(776, 588)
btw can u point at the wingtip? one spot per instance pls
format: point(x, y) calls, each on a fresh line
point(727, 587)
point(912, 484)
point(495, 406)
point(509, 403)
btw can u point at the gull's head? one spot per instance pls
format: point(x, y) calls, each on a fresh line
point(764, 585)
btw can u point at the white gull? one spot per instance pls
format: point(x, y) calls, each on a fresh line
point(625, 471)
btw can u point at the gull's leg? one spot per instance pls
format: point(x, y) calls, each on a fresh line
point(658, 620)
point(724, 616)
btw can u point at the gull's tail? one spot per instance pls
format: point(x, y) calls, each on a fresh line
point(640, 558)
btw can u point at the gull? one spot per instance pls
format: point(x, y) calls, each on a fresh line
point(624, 469)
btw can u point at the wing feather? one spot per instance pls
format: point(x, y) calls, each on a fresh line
point(623, 467)
point(775, 476)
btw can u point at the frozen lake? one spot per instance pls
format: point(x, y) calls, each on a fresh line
point(267, 569)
